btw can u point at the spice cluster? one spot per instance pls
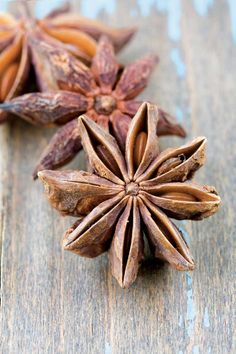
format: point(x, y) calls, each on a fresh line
point(131, 190)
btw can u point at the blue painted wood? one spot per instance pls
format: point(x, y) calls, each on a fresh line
point(232, 12)
point(202, 6)
point(91, 8)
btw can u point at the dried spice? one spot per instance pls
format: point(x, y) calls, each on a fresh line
point(104, 93)
point(20, 37)
point(131, 195)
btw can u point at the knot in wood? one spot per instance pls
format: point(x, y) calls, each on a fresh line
point(132, 188)
point(104, 104)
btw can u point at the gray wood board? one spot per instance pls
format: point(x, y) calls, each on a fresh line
point(55, 302)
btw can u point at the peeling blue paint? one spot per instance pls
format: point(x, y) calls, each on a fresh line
point(206, 320)
point(191, 312)
point(180, 321)
point(108, 349)
point(196, 349)
point(145, 6)
point(184, 222)
point(170, 7)
point(202, 6)
point(91, 8)
point(162, 5)
point(174, 17)
point(41, 10)
point(232, 12)
point(178, 62)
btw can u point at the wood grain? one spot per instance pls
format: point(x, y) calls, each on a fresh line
point(55, 302)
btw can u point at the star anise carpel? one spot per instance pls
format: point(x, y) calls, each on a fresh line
point(105, 93)
point(19, 41)
point(131, 195)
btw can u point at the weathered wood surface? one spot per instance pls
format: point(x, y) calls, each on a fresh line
point(55, 302)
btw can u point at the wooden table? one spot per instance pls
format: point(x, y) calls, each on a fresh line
point(56, 302)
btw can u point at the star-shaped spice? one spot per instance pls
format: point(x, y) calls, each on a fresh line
point(131, 195)
point(103, 92)
point(18, 37)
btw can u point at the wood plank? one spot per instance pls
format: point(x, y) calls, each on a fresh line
point(55, 302)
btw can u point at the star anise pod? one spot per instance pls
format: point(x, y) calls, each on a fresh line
point(103, 93)
point(70, 31)
point(131, 195)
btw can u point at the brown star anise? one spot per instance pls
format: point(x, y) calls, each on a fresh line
point(18, 37)
point(103, 93)
point(131, 195)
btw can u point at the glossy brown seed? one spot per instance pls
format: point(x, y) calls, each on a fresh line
point(139, 148)
point(170, 164)
point(6, 19)
point(6, 39)
point(5, 34)
point(119, 36)
point(194, 153)
point(74, 37)
point(107, 159)
point(10, 54)
point(7, 80)
point(179, 196)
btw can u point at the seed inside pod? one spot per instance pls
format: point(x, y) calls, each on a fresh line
point(179, 196)
point(139, 148)
point(7, 80)
point(170, 164)
point(107, 159)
